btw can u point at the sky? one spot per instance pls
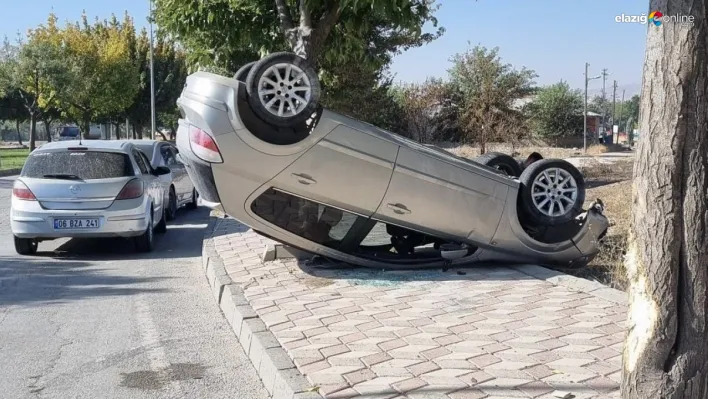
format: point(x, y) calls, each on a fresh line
point(553, 37)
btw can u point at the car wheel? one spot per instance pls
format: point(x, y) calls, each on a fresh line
point(502, 162)
point(283, 89)
point(552, 192)
point(242, 72)
point(195, 200)
point(161, 227)
point(26, 246)
point(171, 213)
point(146, 241)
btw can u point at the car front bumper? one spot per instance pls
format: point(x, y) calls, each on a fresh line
point(125, 218)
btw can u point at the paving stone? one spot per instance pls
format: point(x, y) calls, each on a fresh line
point(358, 376)
point(422, 368)
point(409, 385)
point(494, 325)
point(469, 393)
point(536, 388)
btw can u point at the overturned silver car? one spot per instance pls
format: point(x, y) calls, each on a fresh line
point(260, 148)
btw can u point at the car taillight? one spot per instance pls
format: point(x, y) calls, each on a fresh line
point(204, 146)
point(21, 191)
point(132, 189)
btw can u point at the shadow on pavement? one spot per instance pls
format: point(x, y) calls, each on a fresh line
point(6, 183)
point(35, 281)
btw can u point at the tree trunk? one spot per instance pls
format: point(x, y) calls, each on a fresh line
point(19, 135)
point(666, 348)
point(86, 128)
point(133, 129)
point(48, 129)
point(139, 129)
point(33, 131)
point(117, 126)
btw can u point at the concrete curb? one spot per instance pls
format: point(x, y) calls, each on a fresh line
point(10, 172)
point(277, 371)
point(574, 283)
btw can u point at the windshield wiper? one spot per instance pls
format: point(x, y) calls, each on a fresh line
point(62, 176)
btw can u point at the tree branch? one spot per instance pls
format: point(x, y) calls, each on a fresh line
point(305, 15)
point(322, 30)
point(286, 21)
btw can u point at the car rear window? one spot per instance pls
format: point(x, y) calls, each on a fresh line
point(84, 164)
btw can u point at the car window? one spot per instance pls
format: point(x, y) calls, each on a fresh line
point(168, 155)
point(139, 159)
point(146, 149)
point(84, 164)
point(315, 222)
point(150, 169)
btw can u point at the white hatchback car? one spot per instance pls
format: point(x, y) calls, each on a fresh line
point(179, 189)
point(94, 188)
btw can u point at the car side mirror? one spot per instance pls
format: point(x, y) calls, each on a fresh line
point(162, 170)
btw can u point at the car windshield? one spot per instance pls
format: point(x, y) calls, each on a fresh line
point(75, 165)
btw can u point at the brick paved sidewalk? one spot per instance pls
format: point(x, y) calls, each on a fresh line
point(482, 332)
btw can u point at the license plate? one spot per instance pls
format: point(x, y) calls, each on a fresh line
point(61, 224)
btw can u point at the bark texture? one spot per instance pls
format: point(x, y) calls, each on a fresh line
point(666, 350)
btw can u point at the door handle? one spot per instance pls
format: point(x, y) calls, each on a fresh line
point(303, 178)
point(398, 208)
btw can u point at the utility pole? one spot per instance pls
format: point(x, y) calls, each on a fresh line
point(629, 140)
point(614, 99)
point(604, 78)
point(152, 82)
point(585, 109)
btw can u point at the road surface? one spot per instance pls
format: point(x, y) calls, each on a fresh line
point(94, 319)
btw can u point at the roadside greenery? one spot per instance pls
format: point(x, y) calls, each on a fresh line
point(85, 73)
point(99, 72)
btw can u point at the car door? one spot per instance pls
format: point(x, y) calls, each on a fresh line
point(169, 158)
point(152, 184)
point(433, 194)
point(348, 169)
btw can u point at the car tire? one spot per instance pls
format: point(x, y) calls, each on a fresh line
point(161, 227)
point(544, 175)
point(195, 200)
point(26, 246)
point(504, 163)
point(268, 106)
point(242, 72)
point(146, 241)
point(171, 213)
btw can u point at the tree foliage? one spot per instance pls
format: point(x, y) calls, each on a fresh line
point(103, 77)
point(557, 111)
point(33, 72)
point(488, 91)
point(230, 33)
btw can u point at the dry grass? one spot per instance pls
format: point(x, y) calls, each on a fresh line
point(469, 151)
point(615, 190)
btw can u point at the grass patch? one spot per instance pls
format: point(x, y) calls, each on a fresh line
point(13, 158)
point(613, 184)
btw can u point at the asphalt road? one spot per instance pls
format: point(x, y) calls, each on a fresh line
point(94, 319)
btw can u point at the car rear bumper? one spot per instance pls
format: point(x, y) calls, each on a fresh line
point(199, 172)
point(128, 218)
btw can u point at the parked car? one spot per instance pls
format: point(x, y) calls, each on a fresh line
point(92, 188)
point(178, 187)
point(260, 148)
point(65, 133)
